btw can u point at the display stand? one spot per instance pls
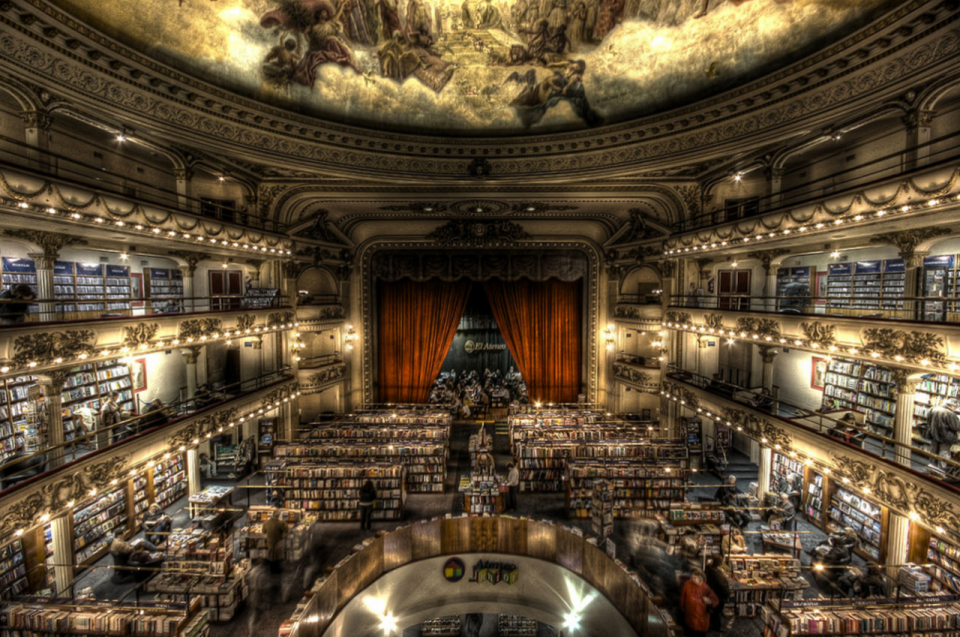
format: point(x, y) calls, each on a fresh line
point(756, 579)
point(601, 509)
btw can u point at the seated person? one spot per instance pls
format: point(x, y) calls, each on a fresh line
point(203, 397)
point(728, 496)
point(846, 429)
point(837, 549)
point(733, 543)
point(206, 466)
point(763, 400)
point(792, 485)
point(142, 557)
point(124, 550)
point(155, 416)
point(155, 522)
point(856, 583)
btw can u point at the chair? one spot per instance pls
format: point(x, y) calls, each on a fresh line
point(14, 471)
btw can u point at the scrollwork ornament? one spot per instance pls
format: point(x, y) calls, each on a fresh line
point(679, 318)
point(713, 321)
point(44, 348)
point(327, 375)
point(139, 334)
point(913, 346)
point(246, 322)
point(817, 332)
point(279, 319)
point(626, 312)
point(198, 328)
point(764, 328)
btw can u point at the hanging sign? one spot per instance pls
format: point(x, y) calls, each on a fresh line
point(474, 347)
point(494, 573)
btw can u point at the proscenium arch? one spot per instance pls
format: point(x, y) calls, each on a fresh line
point(363, 377)
point(415, 592)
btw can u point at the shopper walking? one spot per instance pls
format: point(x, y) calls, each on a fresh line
point(788, 513)
point(696, 599)
point(367, 498)
point(513, 486)
point(274, 529)
point(260, 595)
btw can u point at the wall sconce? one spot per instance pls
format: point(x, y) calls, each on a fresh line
point(350, 337)
point(609, 335)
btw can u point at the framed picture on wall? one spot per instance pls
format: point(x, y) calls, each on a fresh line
point(136, 289)
point(138, 374)
point(818, 373)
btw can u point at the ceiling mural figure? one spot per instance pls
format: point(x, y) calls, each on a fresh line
point(469, 67)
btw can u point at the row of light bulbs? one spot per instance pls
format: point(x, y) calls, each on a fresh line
point(168, 234)
point(149, 465)
point(856, 218)
point(810, 462)
point(834, 349)
point(147, 348)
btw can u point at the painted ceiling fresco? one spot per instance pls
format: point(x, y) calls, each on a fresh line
point(476, 67)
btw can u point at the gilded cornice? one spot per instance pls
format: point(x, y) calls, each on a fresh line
point(43, 44)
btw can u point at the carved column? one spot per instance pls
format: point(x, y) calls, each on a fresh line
point(917, 152)
point(898, 533)
point(52, 384)
point(44, 263)
point(190, 356)
point(184, 177)
point(187, 271)
point(767, 355)
point(37, 126)
point(766, 466)
point(913, 264)
point(254, 272)
point(774, 185)
point(62, 536)
point(289, 419)
point(668, 271)
point(903, 421)
point(194, 483)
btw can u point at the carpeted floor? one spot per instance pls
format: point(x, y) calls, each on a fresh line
point(287, 588)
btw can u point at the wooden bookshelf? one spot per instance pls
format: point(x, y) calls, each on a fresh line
point(331, 489)
point(425, 460)
point(885, 617)
point(168, 481)
point(864, 388)
point(105, 618)
point(866, 517)
point(639, 489)
point(92, 523)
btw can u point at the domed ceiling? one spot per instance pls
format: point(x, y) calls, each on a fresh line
point(476, 67)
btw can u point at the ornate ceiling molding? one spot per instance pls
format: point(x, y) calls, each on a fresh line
point(903, 45)
point(478, 234)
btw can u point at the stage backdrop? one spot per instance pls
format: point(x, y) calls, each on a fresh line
point(416, 322)
point(478, 343)
point(541, 322)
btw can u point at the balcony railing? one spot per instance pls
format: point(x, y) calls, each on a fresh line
point(22, 468)
point(45, 164)
point(316, 362)
point(652, 298)
point(931, 309)
point(827, 422)
point(122, 307)
point(649, 362)
point(875, 172)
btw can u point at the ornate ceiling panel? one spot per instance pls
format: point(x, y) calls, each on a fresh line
point(49, 51)
point(496, 66)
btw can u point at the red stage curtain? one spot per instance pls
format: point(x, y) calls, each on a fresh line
point(417, 322)
point(540, 321)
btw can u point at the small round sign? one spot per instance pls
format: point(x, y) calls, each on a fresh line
point(454, 569)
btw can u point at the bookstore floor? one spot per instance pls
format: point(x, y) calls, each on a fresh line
point(340, 537)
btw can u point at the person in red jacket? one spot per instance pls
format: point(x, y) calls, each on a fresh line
point(696, 598)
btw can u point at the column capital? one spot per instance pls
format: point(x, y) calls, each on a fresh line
point(190, 355)
point(53, 380)
point(915, 260)
point(907, 382)
point(919, 118)
point(768, 353)
point(37, 119)
point(42, 260)
point(183, 174)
